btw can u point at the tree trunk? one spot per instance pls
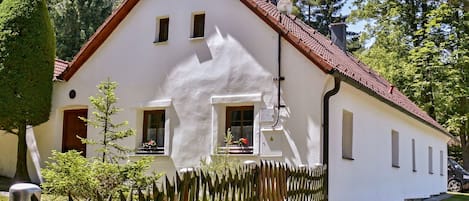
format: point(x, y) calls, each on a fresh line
point(21, 174)
point(465, 146)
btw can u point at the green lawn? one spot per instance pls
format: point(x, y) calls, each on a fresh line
point(3, 198)
point(458, 197)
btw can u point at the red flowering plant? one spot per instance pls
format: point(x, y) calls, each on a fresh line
point(149, 144)
point(243, 141)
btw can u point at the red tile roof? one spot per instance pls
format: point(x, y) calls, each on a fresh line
point(316, 47)
point(328, 57)
point(59, 67)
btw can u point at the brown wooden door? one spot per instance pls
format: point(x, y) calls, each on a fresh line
point(73, 127)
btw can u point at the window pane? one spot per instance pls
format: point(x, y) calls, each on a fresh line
point(154, 127)
point(240, 120)
point(430, 160)
point(441, 163)
point(160, 137)
point(236, 132)
point(164, 30)
point(199, 24)
point(248, 115)
point(247, 133)
point(347, 134)
point(414, 168)
point(235, 115)
point(395, 148)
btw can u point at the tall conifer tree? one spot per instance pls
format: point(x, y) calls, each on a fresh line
point(319, 14)
point(76, 21)
point(27, 54)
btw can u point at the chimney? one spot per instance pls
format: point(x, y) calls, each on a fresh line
point(339, 34)
point(284, 6)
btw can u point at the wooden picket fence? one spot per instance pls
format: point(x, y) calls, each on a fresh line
point(269, 181)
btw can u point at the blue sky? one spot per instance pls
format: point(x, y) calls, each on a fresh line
point(358, 27)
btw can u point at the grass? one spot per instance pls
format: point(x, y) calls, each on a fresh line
point(2, 198)
point(458, 197)
point(5, 183)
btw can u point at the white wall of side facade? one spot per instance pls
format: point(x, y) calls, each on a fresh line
point(371, 176)
point(193, 80)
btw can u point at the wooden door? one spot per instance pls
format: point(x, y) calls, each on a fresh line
point(73, 127)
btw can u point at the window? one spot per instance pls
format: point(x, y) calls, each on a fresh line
point(198, 25)
point(430, 160)
point(240, 121)
point(414, 167)
point(223, 107)
point(395, 148)
point(162, 29)
point(347, 135)
point(153, 140)
point(441, 163)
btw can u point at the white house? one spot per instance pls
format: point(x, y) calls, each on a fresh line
point(189, 70)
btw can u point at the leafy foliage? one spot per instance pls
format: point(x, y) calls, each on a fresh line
point(104, 105)
point(71, 174)
point(27, 54)
point(221, 163)
point(319, 14)
point(76, 21)
point(421, 46)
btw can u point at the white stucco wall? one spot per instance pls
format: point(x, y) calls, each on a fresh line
point(370, 176)
point(238, 57)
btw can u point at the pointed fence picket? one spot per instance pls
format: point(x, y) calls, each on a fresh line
point(269, 181)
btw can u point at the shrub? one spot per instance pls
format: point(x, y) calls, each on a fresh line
point(69, 173)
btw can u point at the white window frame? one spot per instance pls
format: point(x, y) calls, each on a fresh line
point(219, 104)
point(163, 104)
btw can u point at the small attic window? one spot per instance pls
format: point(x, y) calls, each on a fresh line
point(198, 25)
point(162, 29)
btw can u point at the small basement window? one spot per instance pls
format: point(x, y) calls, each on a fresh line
point(441, 163)
point(430, 160)
point(198, 25)
point(395, 148)
point(347, 135)
point(414, 167)
point(162, 29)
